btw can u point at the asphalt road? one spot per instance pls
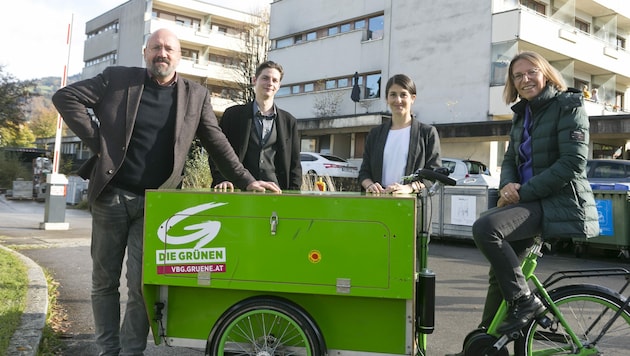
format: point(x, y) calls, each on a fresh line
point(460, 284)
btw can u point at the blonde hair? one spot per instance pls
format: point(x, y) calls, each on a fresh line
point(553, 77)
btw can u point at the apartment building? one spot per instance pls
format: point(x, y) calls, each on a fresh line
point(457, 52)
point(221, 41)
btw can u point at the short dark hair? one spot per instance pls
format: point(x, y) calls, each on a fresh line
point(272, 65)
point(404, 81)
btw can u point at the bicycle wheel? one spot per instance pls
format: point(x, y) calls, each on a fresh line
point(267, 326)
point(587, 309)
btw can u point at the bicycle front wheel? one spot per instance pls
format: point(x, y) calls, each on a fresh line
point(590, 312)
point(268, 326)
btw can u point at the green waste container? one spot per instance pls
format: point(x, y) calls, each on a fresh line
point(613, 208)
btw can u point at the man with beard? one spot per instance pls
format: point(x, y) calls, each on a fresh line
point(145, 122)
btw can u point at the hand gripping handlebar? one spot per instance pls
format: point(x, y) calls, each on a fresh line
point(438, 174)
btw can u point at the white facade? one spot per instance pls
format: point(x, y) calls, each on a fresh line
point(455, 50)
point(212, 35)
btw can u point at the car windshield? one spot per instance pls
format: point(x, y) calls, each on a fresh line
point(475, 167)
point(449, 164)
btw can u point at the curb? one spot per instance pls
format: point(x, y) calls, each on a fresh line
point(25, 341)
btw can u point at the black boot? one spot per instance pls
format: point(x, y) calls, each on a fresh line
point(520, 313)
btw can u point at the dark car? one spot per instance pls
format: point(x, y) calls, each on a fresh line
point(608, 171)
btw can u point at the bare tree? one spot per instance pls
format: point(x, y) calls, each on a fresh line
point(255, 45)
point(327, 103)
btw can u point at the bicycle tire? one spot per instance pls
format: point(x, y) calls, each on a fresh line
point(266, 325)
point(586, 308)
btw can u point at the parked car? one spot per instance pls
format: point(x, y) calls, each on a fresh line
point(469, 172)
point(327, 165)
point(608, 171)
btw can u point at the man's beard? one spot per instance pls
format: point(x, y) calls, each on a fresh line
point(158, 71)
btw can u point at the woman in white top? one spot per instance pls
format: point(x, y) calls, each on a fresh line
point(399, 147)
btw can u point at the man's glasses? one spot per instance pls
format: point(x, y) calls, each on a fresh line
point(530, 74)
point(167, 49)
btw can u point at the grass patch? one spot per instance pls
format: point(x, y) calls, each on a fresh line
point(13, 288)
point(56, 322)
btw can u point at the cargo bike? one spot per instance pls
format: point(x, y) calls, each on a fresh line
point(310, 273)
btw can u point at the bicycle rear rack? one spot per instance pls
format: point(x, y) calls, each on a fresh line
point(588, 273)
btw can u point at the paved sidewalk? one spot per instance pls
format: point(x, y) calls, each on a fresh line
point(65, 254)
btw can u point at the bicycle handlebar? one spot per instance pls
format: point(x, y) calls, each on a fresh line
point(438, 174)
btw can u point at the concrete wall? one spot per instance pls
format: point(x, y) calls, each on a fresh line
point(445, 42)
point(418, 38)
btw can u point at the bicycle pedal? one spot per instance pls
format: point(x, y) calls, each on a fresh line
point(544, 321)
point(513, 335)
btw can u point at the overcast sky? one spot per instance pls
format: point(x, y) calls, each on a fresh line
point(34, 35)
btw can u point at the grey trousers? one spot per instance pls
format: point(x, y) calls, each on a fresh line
point(503, 235)
point(117, 225)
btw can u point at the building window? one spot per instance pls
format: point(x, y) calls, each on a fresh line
point(333, 30)
point(534, 5)
point(345, 27)
point(190, 54)
point(295, 89)
point(373, 86)
point(376, 26)
point(309, 87)
point(331, 84)
point(283, 91)
point(297, 38)
point(342, 83)
point(284, 42)
point(619, 100)
point(621, 43)
point(583, 26)
point(311, 36)
point(359, 24)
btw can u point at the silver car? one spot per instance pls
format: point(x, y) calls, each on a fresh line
point(608, 171)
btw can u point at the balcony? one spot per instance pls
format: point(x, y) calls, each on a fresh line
point(219, 104)
point(221, 73)
point(601, 109)
point(558, 41)
point(201, 36)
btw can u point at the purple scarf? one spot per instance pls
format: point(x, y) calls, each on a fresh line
point(525, 149)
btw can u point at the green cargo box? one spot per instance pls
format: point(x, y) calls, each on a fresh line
point(613, 207)
point(347, 260)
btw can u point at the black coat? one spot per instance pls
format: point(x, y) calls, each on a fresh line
point(115, 96)
point(237, 124)
point(424, 150)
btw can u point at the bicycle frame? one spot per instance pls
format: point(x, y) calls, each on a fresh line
point(528, 267)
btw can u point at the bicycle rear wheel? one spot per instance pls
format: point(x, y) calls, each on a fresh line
point(588, 309)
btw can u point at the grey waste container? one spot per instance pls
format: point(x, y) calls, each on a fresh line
point(456, 208)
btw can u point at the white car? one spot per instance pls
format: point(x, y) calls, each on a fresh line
point(469, 172)
point(327, 165)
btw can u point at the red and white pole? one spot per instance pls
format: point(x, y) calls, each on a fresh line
point(64, 82)
point(56, 183)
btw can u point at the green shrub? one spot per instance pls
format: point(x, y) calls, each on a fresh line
point(197, 172)
point(10, 169)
